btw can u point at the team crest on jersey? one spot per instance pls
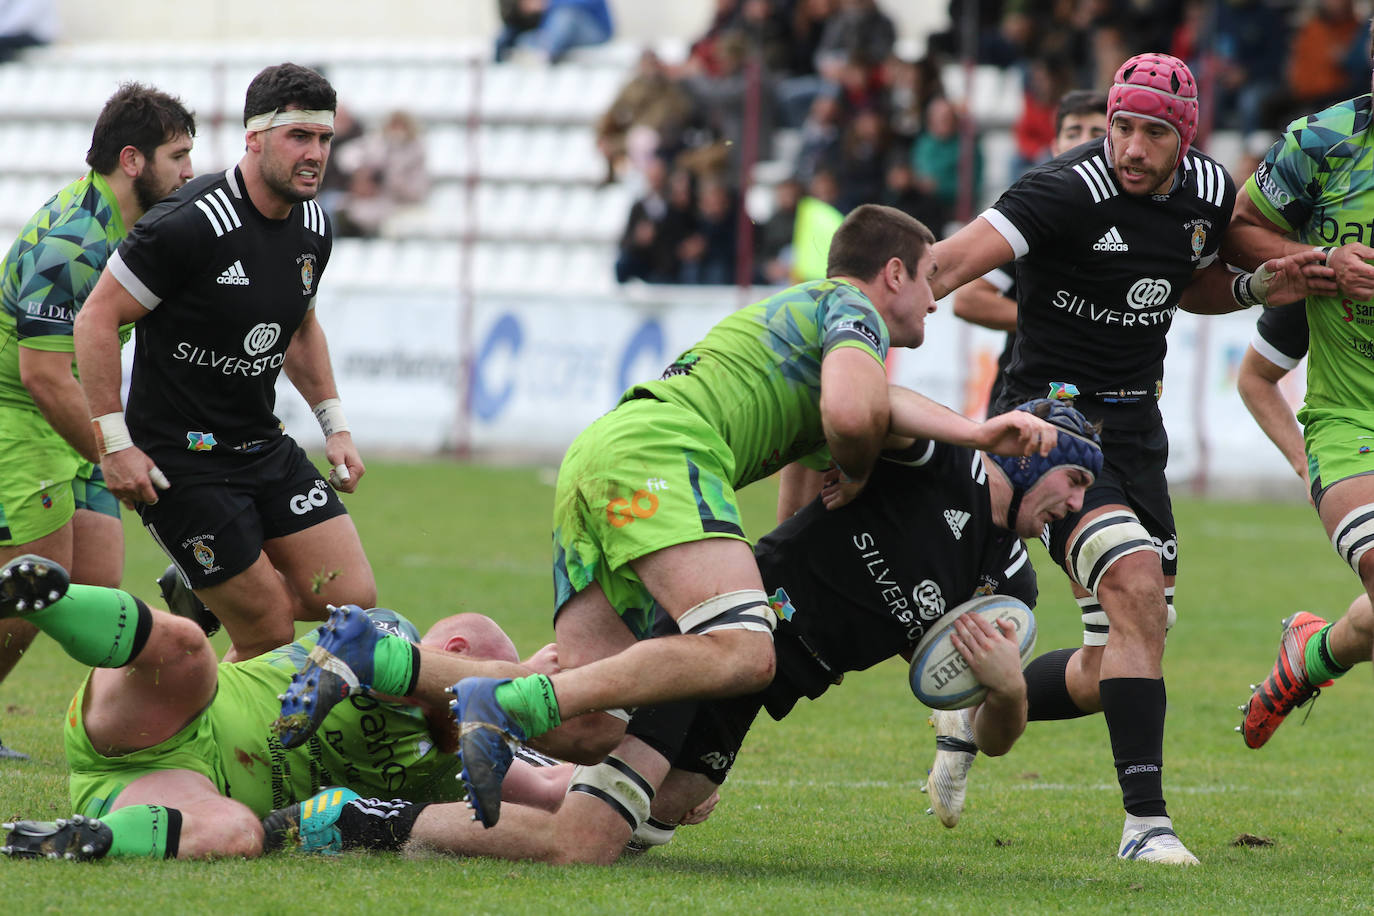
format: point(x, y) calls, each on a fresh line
point(202, 551)
point(307, 265)
point(1198, 240)
point(200, 442)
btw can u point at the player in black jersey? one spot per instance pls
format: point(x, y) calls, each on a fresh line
point(990, 300)
point(221, 280)
point(1106, 238)
point(936, 526)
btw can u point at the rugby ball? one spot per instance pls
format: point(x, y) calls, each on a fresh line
point(940, 678)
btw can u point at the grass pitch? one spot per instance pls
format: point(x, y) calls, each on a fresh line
point(823, 812)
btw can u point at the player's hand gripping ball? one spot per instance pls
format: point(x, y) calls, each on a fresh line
point(940, 678)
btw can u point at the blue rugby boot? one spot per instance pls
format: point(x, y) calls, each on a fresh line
point(487, 739)
point(340, 664)
point(311, 826)
point(30, 583)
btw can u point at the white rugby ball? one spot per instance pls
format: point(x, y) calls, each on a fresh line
point(940, 678)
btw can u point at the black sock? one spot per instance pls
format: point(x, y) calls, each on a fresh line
point(1134, 709)
point(1047, 687)
point(371, 823)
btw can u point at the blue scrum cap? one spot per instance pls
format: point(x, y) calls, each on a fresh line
point(1079, 446)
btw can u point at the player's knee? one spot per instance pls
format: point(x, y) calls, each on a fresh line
point(741, 625)
point(220, 831)
point(176, 638)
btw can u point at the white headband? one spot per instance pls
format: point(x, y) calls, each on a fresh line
point(271, 119)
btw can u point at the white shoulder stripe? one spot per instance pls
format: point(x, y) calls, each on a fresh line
point(116, 267)
point(1019, 558)
point(1094, 174)
point(1211, 182)
point(219, 211)
point(979, 472)
point(1007, 230)
point(313, 217)
point(210, 215)
point(228, 205)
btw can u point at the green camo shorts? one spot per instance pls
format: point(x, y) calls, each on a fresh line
point(645, 476)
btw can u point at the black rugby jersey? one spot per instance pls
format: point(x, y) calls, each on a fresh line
point(1281, 334)
point(1099, 273)
point(865, 581)
point(226, 289)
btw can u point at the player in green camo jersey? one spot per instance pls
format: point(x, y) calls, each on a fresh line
point(645, 509)
point(173, 752)
point(53, 498)
point(1317, 184)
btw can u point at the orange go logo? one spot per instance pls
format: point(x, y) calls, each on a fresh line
point(620, 512)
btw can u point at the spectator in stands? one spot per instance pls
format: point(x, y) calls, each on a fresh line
point(334, 185)
point(26, 24)
point(773, 237)
point(563, 25)
point(1317, 74)
point(863, 154)
point(820, 135)
point(1045, 81)
point(901, 191)
point(937, 153)
point(646, 252)
point(725, 98)
point(910, 86)
point(707, 256)
point(651, 99)
point(1251, 42)
point(858, 31)
point(388, 172)
point(517, 18)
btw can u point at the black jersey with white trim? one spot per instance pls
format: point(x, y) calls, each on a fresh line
point(1099, 273)
point(226, 288)
point(1281, 334)
point(863, 583)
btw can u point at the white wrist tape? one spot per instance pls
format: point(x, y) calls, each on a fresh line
point(330, 415)
point(111, 434)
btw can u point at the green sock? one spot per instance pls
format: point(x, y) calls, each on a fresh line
point(147, 831)
point(100, 627)
point(395, 666)
point(1321, 667)
point(531, 702)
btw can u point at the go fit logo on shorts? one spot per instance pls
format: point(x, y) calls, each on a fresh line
point(620, 512)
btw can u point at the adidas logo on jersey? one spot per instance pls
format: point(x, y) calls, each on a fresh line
point(233, 275)
point(1112, 241)
point(956, 521)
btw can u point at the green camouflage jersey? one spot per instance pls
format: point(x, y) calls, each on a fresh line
point(1318, 182)
point(373, 747)
point(756, 376)
point(49, 271)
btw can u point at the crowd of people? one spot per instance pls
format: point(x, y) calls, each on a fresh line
point(656, 667)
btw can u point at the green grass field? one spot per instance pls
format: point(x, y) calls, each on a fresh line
point(823, 812)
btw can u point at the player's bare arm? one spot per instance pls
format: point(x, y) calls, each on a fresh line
point(47, 374)
point(1016, 432)
point(994, 657)
point(981, 303)
point(1216, 289)
point(854, 409)
point(307, 366)
point(797, 486)
point(966, 255)
point(129, 473)
point(1257, 383)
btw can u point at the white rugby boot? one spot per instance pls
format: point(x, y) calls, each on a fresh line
point(1152, 839)
point(954, 753)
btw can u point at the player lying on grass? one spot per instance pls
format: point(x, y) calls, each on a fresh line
point(1312, 651)
point(936, 526)
point(172, 754)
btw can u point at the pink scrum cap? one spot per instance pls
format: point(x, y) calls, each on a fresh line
point(1160, 88)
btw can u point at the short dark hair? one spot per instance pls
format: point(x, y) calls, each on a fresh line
point(1079, 102)
point(279, 87)
point(138, 116)
point(872, 235)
